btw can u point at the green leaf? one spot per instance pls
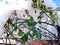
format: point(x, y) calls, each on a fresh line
point(26, 21)
point(10, 21)
point(51, 14)
point(39, 22)
point(40, 16)
point(31, 18)
point(34, 23)
point(34, 32)
point(38, 3)
point(43, 8)
point(37, 34)
point(30, 35)
point(34, 5)
point(15, 27)
point(53, 22)
point(20, 33)
point(33, 28)
point(55, 16)
point(34, 1)
point(31, 23)
point(24, 38)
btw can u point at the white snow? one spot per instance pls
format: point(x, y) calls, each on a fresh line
point(6, 9)
point(50, 3)
point(59, 18)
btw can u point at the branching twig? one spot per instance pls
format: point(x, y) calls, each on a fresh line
point(47, 30)
point(49, 38)
point(6, 27)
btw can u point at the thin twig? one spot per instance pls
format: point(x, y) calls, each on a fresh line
point(6, 27)
point(47, 30)
point(48, 23)
point(48, 16)
point(49, 38)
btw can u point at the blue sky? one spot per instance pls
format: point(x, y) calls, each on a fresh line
point(0, 0)
point(56, 1)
